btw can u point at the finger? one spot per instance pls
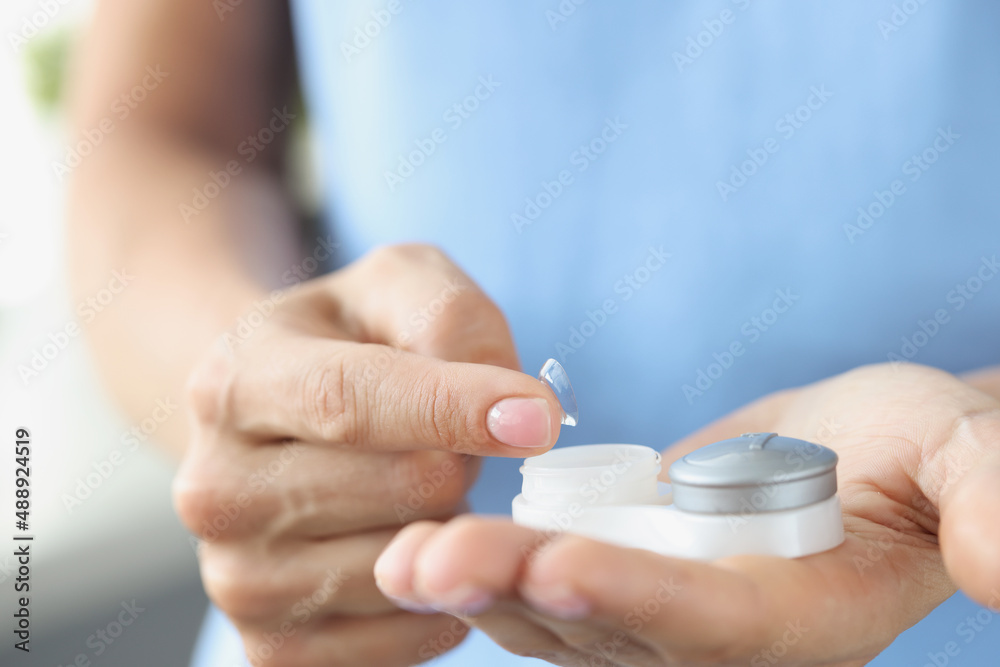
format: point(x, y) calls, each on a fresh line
point(512, 628)
point(684, 609)
point(397, 571)
point(959, 474)
point(735, 609)
point(471, 566)
point(446, 566)
point(414, 297)
point(378, 398)
point(263, 585)
point(393, 639)
point(969, 531)
point(302, 490)
point(394, 567)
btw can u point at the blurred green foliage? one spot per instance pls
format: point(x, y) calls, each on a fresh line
point(45, 58)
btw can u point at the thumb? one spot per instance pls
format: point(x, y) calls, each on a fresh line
point(415, 298)
point(969, 503)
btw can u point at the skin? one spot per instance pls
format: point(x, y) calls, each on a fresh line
point(304, 442)
point(919, 479)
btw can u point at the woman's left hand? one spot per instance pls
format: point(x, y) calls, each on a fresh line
point(919, 479)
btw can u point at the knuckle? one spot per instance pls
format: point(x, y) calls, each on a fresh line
point(240, 587)
point(438, 410)
point(469, 529)
point(209, 386)
point(463, 314)
point(210, 502)
point(327, 401)
point(436, 481)
point(407, 260)
point(468, 316)
point(195, 498)
point(423, 253)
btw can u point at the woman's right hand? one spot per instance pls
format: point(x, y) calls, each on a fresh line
point(360, 404)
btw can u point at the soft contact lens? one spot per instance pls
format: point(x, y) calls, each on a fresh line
point(555, 378)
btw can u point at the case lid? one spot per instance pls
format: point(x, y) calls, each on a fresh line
point(756, 472)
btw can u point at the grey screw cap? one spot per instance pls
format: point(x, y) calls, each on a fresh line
point(756, 472)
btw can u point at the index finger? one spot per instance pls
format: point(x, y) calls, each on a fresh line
point(381, 398)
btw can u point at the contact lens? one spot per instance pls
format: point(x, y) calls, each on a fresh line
point(553, 375)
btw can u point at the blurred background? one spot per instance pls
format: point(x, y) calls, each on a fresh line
point(101, 539)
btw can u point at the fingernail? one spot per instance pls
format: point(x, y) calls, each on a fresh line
point(466, 601)
point(559, 602)
point(410, 605)
point(521, 422)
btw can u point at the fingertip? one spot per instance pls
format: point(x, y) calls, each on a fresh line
point(555, 579)
point(970, 535)
point(523, 423)
point(474, 409)
point(394, 566)
point(469, 564)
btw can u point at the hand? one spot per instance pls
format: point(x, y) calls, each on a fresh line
point(323, 430)
point(919, 478)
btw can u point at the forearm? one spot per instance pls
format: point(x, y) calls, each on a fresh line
point(189, 272)
point(186, 282)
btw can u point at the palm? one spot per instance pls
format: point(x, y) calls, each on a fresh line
point(901, 434)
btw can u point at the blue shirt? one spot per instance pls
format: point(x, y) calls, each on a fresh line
point(690, 204)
